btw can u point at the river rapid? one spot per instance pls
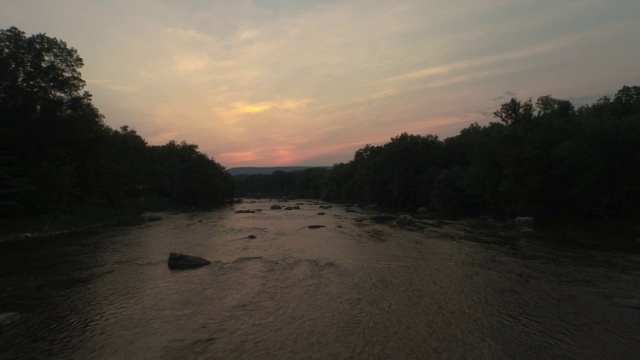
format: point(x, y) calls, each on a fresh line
point(351, 289)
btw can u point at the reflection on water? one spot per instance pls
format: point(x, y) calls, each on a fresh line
point(350, 289)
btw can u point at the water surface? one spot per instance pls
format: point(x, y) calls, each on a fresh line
point(353, 288)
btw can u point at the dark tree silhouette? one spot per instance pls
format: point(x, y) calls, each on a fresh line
point(56, 150)
point(548, 160)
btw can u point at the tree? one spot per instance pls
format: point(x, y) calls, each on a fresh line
point(515, 112)
point(188, 176)
point(50, 128)
point(37, 72)
point(547, 105)
point(627, 101)
point(55, 148)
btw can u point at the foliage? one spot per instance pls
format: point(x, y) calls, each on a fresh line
point(55, 149)
point(307, 183)
point(183, 173)
point(544, 159)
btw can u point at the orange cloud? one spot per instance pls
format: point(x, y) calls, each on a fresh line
point(245, 108)
point(241, 107)
point(240, 157)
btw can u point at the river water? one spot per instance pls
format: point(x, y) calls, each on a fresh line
point(351, 289)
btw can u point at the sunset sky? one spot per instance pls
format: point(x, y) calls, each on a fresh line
point(284, 82)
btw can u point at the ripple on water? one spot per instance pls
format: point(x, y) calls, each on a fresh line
point(364, 290)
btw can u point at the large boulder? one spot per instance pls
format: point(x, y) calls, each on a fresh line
point(181, 261)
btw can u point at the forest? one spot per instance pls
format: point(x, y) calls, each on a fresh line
point(545, 159)
point(56, 151)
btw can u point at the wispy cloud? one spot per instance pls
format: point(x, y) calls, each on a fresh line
point(112, 85)
point(241, 107)
point(257, 82)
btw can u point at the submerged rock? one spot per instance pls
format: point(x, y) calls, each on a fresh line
point(288, 208)
point(276, 207)
point(351, 210)
point(527, 232)
point(382, 218)
point(315, 226)
point(632, 303)
point(405, 220)
point(321, 213)
point(8, 319)
point(245, 212)
point(251, 236)
point(523, 221)
point(181, 261)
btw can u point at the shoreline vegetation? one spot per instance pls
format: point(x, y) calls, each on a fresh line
point(84, 217)
point(63, 170)
point(81, 219)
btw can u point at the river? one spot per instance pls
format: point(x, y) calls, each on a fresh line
point(351, 289)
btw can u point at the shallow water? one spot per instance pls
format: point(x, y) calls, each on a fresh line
point(353, 288)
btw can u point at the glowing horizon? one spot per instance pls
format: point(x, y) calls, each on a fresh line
point(283, 82)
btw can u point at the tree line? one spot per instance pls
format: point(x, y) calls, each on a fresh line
point(545, 159)
point(55, 149)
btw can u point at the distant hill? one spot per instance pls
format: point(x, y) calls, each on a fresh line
point(267, 170)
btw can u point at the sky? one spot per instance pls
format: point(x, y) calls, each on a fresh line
point(285, 82)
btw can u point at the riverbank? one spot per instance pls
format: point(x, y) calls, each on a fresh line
point(80, 217)
point(90, 216)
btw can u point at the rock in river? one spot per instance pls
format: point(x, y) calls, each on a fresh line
point(632, 303)
point(8, 319)
point(405, 220)
point(276, 207)
point(523, 221)
point(180, 261)
point(382, 218)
